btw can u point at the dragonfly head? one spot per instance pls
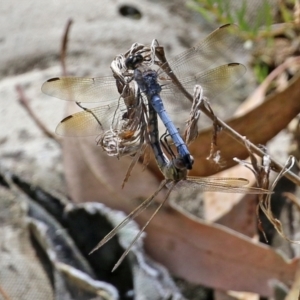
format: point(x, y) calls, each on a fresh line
point(133, 61)
point(185, 162)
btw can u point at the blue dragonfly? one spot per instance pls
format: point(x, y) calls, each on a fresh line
point(122, 114)
point(175, 174)
point(147, 82)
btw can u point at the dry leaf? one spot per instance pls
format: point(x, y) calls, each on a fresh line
point(92, 175)
point(215, 256)
point(201, 253)
point(231, 295)
point(295, 289)
point(235, 211)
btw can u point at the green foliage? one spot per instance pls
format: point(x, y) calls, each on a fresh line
point(222, 11)
point(256, 24)
point(285, 13)
point(261, 71)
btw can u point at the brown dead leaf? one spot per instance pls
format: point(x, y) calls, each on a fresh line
point(201, 253)
point(92, 176)
point(232, 295)
point(235, 211)
point(215, 256)
point(294, 293)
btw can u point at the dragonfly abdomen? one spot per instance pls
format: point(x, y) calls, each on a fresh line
point(147, 82)
point(173, 131)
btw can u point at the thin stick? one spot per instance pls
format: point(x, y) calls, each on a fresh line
point(4, 294)
point(25, 103)
point(64, 45)
point(292, 198)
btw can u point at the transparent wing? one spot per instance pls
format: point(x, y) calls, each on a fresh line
point(101, 89)
point(213, 83)
point(93, 121)
point(210, 52)
point(233, 181)
point(224, 185)
point(143, 229)
point(130, 217)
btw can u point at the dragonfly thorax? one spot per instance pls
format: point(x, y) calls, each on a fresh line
point(173, 173)
point(147, 82)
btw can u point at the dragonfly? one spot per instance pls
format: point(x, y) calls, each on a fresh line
point(120, 120)
point(147, 82)
point(176, 177)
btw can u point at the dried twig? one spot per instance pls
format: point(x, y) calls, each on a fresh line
point(25, 102)
point(293, 199)
point(191, 131)
point(275, 166)
point(262, 174)
point(265, 203)
point(4, 294)
point(64, 45)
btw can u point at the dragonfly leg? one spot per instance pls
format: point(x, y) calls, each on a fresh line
point(166, 145)
point(90, 111)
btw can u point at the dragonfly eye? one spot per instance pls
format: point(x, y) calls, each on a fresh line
point(133, 61)
point(180, 163)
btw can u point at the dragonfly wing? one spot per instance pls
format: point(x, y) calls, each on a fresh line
point(211, 51)
point(93, 121)
point(144, 227)
point(235, 181)
point(79, 89)
point(219, 186)
point(130, 217)
point(213, 83)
